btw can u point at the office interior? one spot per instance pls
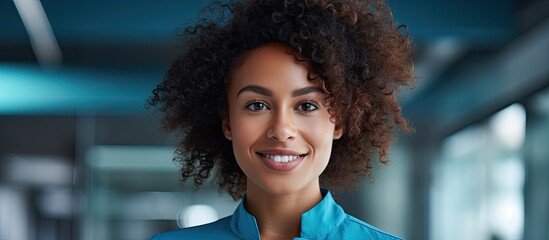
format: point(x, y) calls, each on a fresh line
point(83, 157)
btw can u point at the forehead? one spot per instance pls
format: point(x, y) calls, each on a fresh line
point(269, 47)
point(270, 63)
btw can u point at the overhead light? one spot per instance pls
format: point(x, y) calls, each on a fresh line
point(196, 215)
point(38, 170)
point(41, 36)
point(133, 158)
point(509, 125)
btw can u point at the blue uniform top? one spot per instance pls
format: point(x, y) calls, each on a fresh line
point(326, 220)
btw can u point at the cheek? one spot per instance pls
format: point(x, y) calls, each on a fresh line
point(244, 135)
point(320, 131)
point(244, 131)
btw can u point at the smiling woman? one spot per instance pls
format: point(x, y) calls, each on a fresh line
point(283, 100)
point(281, 135)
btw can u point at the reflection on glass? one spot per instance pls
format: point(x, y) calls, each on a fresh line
point(133, 192)
point(479, 179)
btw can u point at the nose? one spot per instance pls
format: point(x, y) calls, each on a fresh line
point(282, 127)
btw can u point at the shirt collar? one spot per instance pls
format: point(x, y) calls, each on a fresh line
point(243, 224)
point(323, 218)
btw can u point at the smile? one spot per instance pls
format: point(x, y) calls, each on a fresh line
point(282, 158)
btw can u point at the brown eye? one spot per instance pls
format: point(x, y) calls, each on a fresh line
point(307, 107)
point(256, 106)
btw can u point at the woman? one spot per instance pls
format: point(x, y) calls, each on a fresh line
point(284, 98)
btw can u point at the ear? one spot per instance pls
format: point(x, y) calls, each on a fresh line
point(226, 126)
point(338, 131)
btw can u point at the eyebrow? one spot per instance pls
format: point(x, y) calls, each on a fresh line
point(266, 92)
point(256, 89)
point(306, 90)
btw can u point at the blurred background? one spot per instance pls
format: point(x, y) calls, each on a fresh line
point(82, 158)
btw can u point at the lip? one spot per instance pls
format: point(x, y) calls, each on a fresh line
point(280, 152)
point(280, 166)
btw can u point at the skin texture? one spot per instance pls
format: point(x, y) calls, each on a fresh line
point(259, 123)
point(276, 119)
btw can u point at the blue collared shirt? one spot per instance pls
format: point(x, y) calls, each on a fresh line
point(326, 220)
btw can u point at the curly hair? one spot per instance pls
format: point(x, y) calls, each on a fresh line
point(354, 48)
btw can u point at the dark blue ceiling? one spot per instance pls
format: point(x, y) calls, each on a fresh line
point(123, 21)
point(114, 52)
point(94, 22)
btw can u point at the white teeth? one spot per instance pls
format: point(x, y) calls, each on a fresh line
point(282, 158)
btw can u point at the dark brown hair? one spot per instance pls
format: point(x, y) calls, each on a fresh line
point(354, 47)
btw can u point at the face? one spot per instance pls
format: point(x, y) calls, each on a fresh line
point(277, 121)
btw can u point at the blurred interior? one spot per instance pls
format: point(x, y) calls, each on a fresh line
point(81, 157)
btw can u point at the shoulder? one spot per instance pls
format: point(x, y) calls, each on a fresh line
point(219, 229)
point(357, 227)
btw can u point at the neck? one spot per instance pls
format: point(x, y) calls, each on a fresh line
point(278, 216)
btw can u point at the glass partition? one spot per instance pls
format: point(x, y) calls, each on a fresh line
point(478, 180)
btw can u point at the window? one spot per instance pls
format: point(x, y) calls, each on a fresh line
point(478, 180)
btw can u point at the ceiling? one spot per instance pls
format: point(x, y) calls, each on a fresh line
point(112, 53)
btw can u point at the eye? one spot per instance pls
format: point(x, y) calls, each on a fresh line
point(256, 106)
point(307, 107)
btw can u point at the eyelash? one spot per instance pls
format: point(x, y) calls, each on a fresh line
point(313, 104)
point(250, 104)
